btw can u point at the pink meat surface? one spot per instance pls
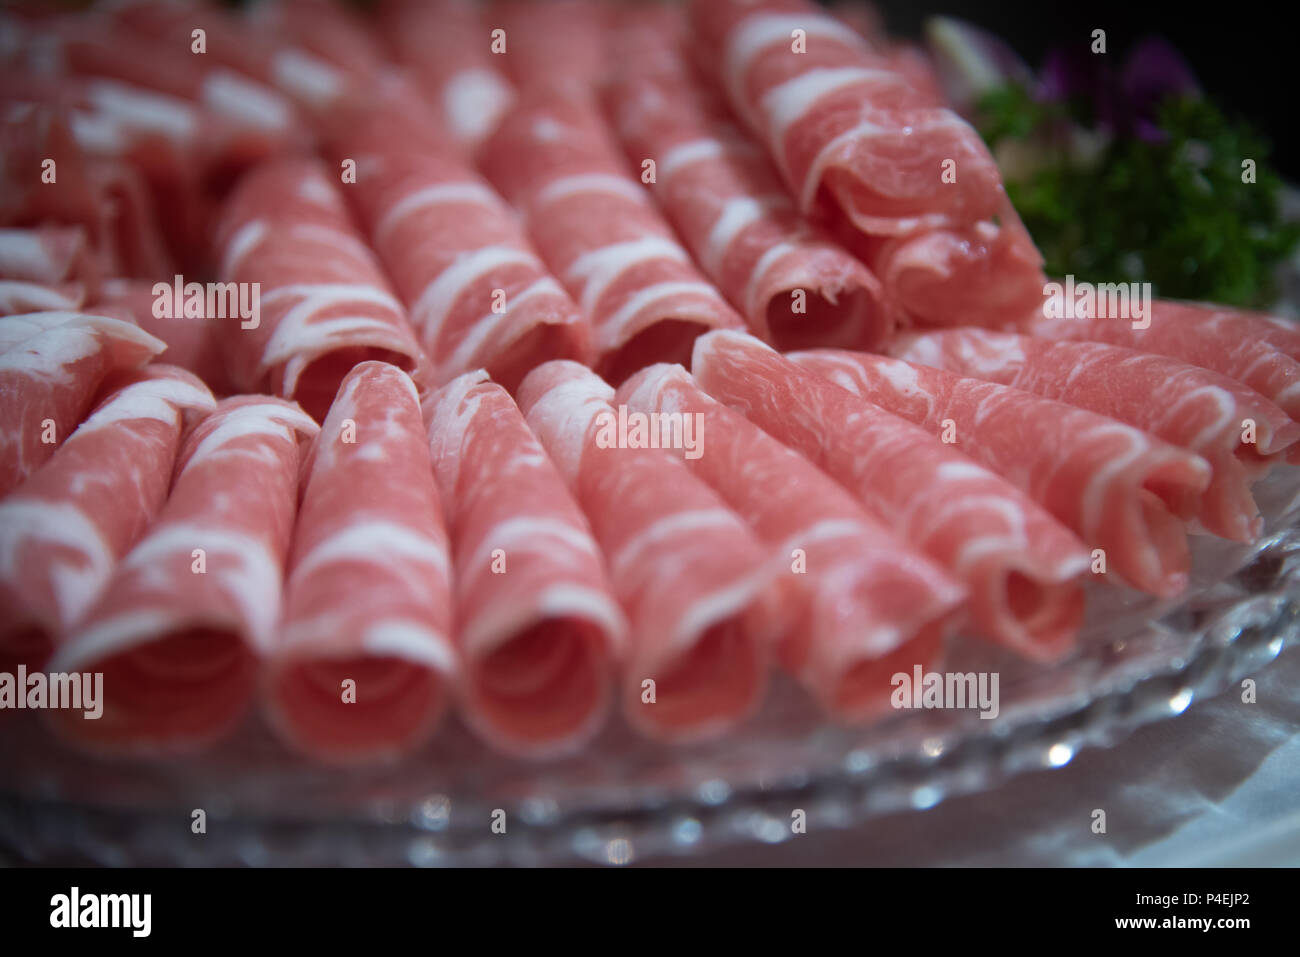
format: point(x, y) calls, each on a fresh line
point(478, 294)
point(325, 303)
point(49, 372)
point(560, 43)
point(793, 284)
point(1019, 564)
point(1257, 350)
point(367, 594)
point(446, 47)
point(1118, 488)
point(864, 604)
point(187, 614)
point(693, 580)
point(600, 233)
point(62, 531)
point(539, 629)
point(1196, 409)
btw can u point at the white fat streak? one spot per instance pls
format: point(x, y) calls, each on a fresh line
point(713, 147)
point(767, 261)
point(411, 641)
point(611, 330)
point(246, 100)
point(489, 630)
point(599, 268)
point(24, 253)
point(431, 308)
point(267, 419)
point(46, 354)
point(562, 415)
point(530, 533)
point(467, 192)
point(712, 609)
point(241, 243)
point(632, 551)
point(252, 580)
point(306, 77)
point(754, 34)
point(467, 349)
point(20, 328)
point(297, 335)
point(1227, 418)
point(737, 214)
point(589, 183)
point(374, 540)
point(791, 101)
point(824, 530)
point(106, 638)
point(473, 101)
point(32, 294)
point(1094, 494)
point(144, 111)
point(26, 522)
point(158, 398)
point(318, 192)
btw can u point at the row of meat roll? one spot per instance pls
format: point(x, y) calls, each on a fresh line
point(504, 556)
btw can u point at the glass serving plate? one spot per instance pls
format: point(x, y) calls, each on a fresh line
point(624, 798)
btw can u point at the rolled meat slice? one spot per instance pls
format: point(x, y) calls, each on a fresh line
point(600, 233)
point(190, 610)
point(1257, 350)
point(796, 287)
point(538, 628)
point(866, 604)
point(858, 142)
point(62, 531)
point(694, 582)
point(49, 254)
point(322, 303)
point(1231, 426)
point(1019, 564)
point(48, 376)
point(478, 294)
point(363, 666)
point(453, 57)
point(840, 123)
point(1118, 488)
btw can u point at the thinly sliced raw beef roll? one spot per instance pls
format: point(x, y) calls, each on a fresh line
point(538, 627)
point(478, 294)
point(840, 123)
point(1019, 564)
point(447, 48)
point(859, 143)
point(189, 611)
point(560, 43)
point(324, 302)
point(693, 580)
point(1257, 350)
point(62, 531)
point(867, 605)
point(795, 286)
point(1231, 426)
point(193, 341)
point(367, 596)
point(48, 376)
point(1118, 488)
point(600, 233)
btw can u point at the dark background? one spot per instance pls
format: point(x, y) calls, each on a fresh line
point(1244, 55)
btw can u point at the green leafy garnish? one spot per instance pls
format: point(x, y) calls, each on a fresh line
point(1175, 213)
